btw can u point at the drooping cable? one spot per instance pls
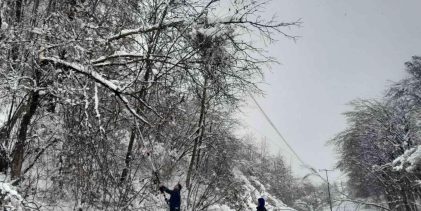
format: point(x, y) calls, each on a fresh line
point(312, 169)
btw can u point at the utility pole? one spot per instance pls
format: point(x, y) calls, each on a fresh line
point(328, 186)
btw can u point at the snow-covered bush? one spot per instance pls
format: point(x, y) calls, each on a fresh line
point(10, 199)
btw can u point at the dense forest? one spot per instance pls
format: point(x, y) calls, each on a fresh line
point(102, 101)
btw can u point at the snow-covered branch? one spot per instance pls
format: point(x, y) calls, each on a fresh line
point(145, 29)
point(98, 78)
point(409, 161)
point(124, 55)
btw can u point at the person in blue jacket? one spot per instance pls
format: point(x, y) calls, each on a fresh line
point(261, 204)
point(175, 201)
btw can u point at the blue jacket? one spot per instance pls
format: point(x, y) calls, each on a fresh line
point(261, 206)
point(175, 200)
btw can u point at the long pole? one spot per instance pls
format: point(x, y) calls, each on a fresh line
point(328, 187)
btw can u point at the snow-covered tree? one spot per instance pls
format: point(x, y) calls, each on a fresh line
point(105, 99)
point(378, 150)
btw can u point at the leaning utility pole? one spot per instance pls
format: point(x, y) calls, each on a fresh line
point(328, 186)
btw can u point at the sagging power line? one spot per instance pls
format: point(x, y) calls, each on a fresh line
point(313, 170)
point(277, 131)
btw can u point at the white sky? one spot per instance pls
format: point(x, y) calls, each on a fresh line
point(349, 49)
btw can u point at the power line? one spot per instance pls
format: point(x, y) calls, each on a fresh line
point(265, 136)
point(312, 169)
point(277, 131)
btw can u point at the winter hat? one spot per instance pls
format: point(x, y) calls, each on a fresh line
point(261, 202)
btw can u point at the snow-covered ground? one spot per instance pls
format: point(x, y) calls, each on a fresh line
point(11, 199)
point(255, 190)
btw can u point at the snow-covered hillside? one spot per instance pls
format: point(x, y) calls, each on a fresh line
point(255, 189)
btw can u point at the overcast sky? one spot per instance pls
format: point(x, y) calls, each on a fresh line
point(348, 49)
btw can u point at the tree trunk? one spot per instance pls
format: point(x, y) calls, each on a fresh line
point(5, 135)
point(17, 20)
point(125, 171)
point(1, 14)
point(142, 95)
point(34, 12)
point(19, 149)
point(200, 133)
point(18, 11)
point(8, 126)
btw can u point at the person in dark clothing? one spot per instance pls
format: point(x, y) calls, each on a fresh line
point(174, 202)
point(261, 206)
